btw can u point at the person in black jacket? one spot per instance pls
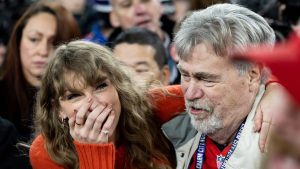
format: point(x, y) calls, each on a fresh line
point(11, 157)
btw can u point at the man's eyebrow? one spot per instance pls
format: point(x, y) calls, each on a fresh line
point(135, 64)
point(141, 63)
point(204, 75)
point(200, 75)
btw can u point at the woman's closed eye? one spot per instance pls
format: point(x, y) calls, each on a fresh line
point(71, 96)
point(101, 86)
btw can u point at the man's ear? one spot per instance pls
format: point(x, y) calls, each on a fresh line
point(173, 53)
point(165, 75)
point(114, 20)
point(255, 76)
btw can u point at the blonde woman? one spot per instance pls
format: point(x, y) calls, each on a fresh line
point(90, 115)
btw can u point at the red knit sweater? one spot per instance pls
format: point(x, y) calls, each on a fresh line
point(106, 156)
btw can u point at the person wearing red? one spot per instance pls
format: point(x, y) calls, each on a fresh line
point(94, 120)
point(221, 95)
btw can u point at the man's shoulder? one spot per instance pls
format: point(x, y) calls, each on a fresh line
point(179, 130)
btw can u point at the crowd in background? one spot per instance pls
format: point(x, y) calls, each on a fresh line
point(35, 28)
point(93, 17)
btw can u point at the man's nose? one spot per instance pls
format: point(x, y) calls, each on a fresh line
point(193, 91)
point(139, 8)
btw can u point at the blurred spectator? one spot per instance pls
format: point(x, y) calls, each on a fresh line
point(262, 7)
point(141, 51)
point(31, 42)
point(291, 13)
point(181, 7)
point(11, 10)
point(101, 27)
point(144, 14)
point(84, 13)
point(10, 156)
point(284, 62)
point(196, 5)
point(70, 32)
point(137, 13)
point(282, 15)
point(75, 6)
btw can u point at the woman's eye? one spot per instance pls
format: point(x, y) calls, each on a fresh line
point(145, 1)
point(71, 96)
point(101, 86)
point(125, 4)
point(33, 39)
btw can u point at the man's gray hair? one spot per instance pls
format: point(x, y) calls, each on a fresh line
point(226, 27)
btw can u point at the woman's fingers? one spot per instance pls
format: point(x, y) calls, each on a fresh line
point(96, 117)
point(82, 113)
point(108, 123)
point(72, 125)
point(105, 131)
point(87, 131)
point(101, 119)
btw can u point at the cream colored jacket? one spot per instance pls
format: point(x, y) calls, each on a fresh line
point(186, 139)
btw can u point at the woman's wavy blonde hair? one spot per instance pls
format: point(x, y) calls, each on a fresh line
point(145, 145)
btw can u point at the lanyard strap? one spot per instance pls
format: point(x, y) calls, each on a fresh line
point(201, 149)
point(200, 152)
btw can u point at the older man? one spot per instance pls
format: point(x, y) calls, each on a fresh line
point(221, 95)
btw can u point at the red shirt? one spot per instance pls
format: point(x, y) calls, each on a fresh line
point(211, 153)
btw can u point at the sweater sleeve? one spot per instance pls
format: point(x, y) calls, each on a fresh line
point(39, 157)
point(168, 102)
point(96, 156)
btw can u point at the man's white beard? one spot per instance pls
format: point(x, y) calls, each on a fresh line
point(211, 124)
point(205, 124)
